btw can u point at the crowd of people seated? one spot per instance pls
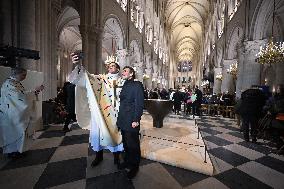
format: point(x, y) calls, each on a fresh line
point(256, 112)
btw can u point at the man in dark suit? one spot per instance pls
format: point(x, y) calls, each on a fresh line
point(252, 102)
point(69, 94)
point(128, 121)
point(198, 101)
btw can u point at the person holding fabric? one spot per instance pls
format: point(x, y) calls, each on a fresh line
point(15, 113)
point(106, 86)
point(128, 120)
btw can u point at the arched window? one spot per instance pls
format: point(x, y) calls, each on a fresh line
point(185, 66)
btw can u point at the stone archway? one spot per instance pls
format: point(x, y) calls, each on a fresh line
point(235, 38)
point(70, 40)
point(135, 57)
point(113, 40)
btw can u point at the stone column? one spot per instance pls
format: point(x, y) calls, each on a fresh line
point(217, 82)
point(250, 70)
point(122, 57)
point(26, 31)
point(139, 71)
point(92, 48)
point(228, 80)
point(154, 80)
point(46, 42)
point(279, 73)
point(148, 82)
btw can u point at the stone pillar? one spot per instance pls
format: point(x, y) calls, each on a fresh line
point(279, 73)
point(92, 48)
point(122, 57)
point(46, 42)
point(228, 80)
point(139, 71)
point(26, 31)
point(154, 80)
point(148, 81)
point(250, 70)
point(217, 82)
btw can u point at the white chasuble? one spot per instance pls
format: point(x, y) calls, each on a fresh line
point(15, 115)
point(96, 108)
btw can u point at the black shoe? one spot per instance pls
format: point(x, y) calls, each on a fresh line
point(132, 173)
point(66, 129)
point(16, 155)
point(98, 159)
point(121, 166)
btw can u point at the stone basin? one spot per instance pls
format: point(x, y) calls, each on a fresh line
point(158, 109)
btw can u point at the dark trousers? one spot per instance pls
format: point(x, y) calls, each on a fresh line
point(252, 123)
point(131, 146)
point(69, 117)
point(188, 108)
point(196, 108)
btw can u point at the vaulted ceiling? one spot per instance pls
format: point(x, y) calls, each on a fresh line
point(185, 20)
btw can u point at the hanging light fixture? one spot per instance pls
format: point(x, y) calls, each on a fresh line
point(219, 76)
point(233, 70)
point(271, 53)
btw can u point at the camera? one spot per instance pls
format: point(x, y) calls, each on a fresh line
point(8, 55)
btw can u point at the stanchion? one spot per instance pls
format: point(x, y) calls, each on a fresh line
point(205, 149)
point(198, 132)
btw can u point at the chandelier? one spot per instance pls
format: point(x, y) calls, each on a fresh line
point(219, 76)
point(272, 53)
point(204, 83)
point(146, 76)
point(233, 70)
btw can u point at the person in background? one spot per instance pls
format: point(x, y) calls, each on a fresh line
point(178, 99)
point(69, 93)
point(128, 120)
point(188, 101)
point(252, 102)
point(15, 112)
point(198, 101)
point(275, 108)
point(154, 94)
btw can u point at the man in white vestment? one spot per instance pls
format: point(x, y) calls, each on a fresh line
point(107, 86)
point(15, 115)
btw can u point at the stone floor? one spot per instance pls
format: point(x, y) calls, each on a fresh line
point(62, 160)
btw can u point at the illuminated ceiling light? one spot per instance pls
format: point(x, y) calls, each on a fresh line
point(272, 53)
point(219, 76)
point(233, 70)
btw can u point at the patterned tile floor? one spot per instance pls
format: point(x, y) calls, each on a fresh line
point(61, 160)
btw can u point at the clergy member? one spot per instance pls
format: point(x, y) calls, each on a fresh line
point(107, 89)
point(15, 115)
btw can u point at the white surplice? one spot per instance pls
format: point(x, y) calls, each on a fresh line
point(96, 108)
point(15, 115)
